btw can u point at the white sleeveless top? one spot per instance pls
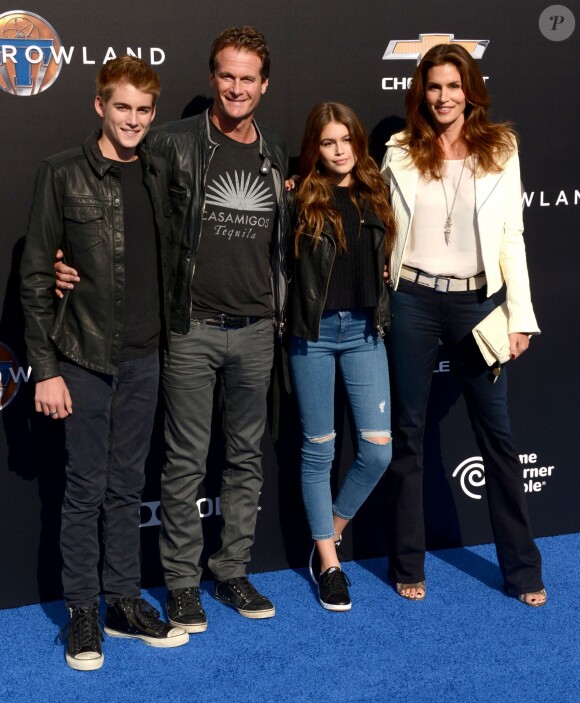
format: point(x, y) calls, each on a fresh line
point(426, 249)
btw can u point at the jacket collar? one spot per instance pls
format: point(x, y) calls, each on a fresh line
point(262, 146)
point(404, 173)
point(101, 165)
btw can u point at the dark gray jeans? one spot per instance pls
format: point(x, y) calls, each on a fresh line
point(243, 360)
point(107, 441)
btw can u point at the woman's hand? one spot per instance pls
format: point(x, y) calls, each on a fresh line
point(65, 275)
point(518, 344)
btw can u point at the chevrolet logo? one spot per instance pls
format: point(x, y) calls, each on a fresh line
point(399, 49)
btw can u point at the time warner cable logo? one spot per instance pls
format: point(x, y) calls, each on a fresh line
point(471, 475)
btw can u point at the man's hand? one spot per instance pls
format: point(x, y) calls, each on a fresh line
point(65, 275)
point(292, 182)
point(518, 344)
point(52, 398)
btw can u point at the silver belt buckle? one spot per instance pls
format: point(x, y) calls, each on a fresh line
point(439, 284)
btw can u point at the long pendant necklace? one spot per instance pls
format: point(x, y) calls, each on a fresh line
point(449, 219)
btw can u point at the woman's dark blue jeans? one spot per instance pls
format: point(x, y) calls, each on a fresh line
point(422, 317)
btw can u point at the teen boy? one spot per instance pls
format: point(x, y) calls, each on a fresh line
point(96, 352)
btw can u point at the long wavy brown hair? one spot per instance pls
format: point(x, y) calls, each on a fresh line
point(491, 143)
point(314, 199)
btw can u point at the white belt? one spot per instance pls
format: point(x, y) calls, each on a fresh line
point(443, 284)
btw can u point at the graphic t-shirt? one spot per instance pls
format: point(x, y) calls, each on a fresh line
point(232, 265)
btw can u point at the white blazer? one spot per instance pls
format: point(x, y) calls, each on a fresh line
point(500, 225)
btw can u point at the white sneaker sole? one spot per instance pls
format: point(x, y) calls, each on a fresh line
point(165, 642)
point(90, 664)
point(202, 627)
point(260, 615)
point(335, 608)
point(250, 614)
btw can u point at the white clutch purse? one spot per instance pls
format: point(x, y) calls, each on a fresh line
point(492, 337)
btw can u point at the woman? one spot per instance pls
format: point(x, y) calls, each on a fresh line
point(456, 194)
point(337, 311)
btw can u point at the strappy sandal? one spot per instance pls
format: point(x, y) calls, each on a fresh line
point(402, 587)
point(526, 598)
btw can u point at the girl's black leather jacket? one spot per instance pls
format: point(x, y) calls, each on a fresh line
point(310, 275)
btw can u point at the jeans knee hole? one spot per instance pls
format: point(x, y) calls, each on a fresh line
point(378, 437)
point(321, 440)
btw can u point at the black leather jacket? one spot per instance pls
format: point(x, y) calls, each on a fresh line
point(78, 207)
point(311, 276)
point(188, 147)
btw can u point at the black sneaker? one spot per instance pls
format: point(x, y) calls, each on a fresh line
point(184, 610)
point(314, 561)
point(84, 637)
point(333, 589)
point(136, 619)
point(239, 594)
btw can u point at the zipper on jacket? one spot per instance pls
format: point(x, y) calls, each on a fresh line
point(280, 258)
point(382, 287)
point(180, 193)
point(194, 253)
point(331, 240)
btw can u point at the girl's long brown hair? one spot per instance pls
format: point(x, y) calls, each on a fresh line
point(491, 143)
point(314, 199)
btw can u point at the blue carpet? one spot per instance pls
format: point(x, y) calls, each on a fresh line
point(467, 642)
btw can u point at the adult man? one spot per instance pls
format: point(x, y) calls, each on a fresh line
point(229, 210)
point(106, 206)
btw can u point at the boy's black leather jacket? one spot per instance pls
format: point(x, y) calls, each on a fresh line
point(78, 207)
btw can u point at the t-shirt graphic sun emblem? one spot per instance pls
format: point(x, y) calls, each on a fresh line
point(242, 193)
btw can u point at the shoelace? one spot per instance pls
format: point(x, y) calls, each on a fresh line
point(244, 587)
point(336, 581)
point(83, 627)
point(188, 598)
point(144, 612)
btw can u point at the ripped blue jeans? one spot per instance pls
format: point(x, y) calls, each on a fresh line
point(347, 340)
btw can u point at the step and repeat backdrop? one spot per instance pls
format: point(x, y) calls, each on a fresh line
point(362, 54)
